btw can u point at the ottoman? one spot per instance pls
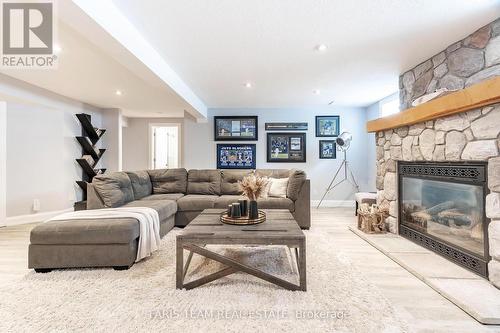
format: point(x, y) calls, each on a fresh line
point(84, 243)
point(364, 197)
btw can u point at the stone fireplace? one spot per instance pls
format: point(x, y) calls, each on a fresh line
point(465, 138)
point(456, 216)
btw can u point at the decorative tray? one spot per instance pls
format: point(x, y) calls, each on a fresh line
point(244, 220)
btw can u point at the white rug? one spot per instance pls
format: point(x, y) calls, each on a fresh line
point(144, 298)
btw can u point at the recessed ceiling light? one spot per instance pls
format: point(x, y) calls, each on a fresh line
point(248, 84)
point(118, 92)
point(316, 92)
point(321, 48)
point(57, 48)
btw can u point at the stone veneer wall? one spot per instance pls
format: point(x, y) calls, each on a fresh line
point(467, 136)
point(469, 61)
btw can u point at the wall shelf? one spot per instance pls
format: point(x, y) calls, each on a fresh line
point(88, 140)
point(473, 97)
point(93, 133)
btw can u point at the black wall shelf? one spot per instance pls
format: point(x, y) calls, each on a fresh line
point(88, 140)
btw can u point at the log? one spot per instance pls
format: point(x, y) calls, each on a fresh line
point(447, 205)
point(453, 216)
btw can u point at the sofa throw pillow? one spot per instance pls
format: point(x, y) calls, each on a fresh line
point(115, 189)
point(265, 193)
point(277, 187)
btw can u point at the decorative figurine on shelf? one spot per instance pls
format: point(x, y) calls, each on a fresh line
point(253, 187)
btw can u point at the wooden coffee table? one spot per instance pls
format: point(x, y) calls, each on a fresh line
point(280, 228)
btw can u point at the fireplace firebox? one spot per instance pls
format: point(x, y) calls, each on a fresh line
point(442, 207)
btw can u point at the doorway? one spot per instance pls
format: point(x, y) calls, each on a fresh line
point(164, 146)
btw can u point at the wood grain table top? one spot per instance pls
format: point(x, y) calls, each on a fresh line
point(279, 228)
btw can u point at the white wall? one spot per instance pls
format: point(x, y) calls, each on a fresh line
point(3, 162)
point(200, 148)
point(372, 112)
point(41, 148)
point(136, 141)
point(112, 140)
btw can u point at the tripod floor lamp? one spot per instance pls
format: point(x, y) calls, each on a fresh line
point(344, 172)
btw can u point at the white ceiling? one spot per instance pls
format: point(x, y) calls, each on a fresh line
point(92, 66)
point(217, 46)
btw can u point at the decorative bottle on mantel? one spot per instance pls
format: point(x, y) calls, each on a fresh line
point(253, 187)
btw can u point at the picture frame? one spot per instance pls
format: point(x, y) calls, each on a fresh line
point(236, 156)
point(286, 147)
point(236, 128)
point(327, 126)
point(286, 126)
point(327, 149)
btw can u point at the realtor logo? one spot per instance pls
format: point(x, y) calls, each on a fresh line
point(28, 35)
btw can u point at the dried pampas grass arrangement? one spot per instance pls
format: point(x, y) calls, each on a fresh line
point(252, 186)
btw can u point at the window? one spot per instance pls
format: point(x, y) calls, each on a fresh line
point(389, 105)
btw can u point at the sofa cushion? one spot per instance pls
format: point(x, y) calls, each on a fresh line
point(92, 231)
point(168, 180)
point(166, 196)
point(141, 183)
point(196, 202)
point(276, 203)
point(165, 208)
point(273, 173)
point(115, 188)
point(204, 182)
point(295, 182)
point(230, 178)
point(225, 200)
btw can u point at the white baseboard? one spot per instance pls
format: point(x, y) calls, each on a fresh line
point(34, 218)
point(333, 203)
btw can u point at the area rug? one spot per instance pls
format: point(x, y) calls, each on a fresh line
point(339, 298)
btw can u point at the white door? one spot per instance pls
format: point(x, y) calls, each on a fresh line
point(165, 146)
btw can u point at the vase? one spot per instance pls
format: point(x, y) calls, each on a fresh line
point(253, 211)
point(243, 207)
point(235, 210)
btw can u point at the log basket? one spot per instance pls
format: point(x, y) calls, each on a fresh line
point(371, 219)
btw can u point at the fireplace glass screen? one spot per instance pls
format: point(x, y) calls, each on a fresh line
point(448, 211)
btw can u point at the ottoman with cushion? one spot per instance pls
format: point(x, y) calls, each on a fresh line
point(99, 242)
point(364, 197)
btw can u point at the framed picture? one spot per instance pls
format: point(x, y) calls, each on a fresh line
point(327, 149)
point(286, 147)
point(286, 126)
point(327, 126)
point(235, 156)
point(231, 128)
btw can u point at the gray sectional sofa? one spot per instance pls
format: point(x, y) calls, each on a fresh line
point(178, 195)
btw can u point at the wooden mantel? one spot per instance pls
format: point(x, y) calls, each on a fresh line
point(475, 96)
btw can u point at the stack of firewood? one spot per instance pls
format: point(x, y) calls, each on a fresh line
point(371, 218)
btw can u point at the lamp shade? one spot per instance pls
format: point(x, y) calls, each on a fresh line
point(344, 141)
